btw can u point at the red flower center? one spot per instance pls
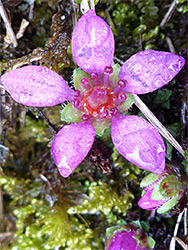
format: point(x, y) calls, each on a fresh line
point(98, 99)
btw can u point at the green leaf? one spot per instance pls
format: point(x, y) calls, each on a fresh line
point(170, 186)
point(149, 179)
point(150, 242)
point(169, 150)
point(174, 129)
point(127, 103)
point(70, 114)
point(162, 96)
point(100, 125)
point(168, 205)
point(114, 76)
point(78, 74)
point(185, 163)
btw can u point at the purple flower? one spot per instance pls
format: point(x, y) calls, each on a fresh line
point(162, 192)
point(130, 237)
point(100, 97)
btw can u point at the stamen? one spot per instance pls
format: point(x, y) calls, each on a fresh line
point(85, 117)
point(76, 103)
point(113, 111)
point(85, 82)
point(103, 114)
point(94, 77)
point(122, 96)
point(106, 79)
point(108, 70)
point(77, 93)
point(122, 83)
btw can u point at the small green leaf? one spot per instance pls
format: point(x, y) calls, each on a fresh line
point(70, 114)
point(162, 96)
point(140, 29)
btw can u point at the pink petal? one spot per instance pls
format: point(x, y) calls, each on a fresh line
point(149, 70)
point(92, 43)
point(71, 145)
point(36, 86)
point(147, 203)
point(139, 142)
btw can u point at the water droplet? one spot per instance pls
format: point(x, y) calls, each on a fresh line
point(44, 70)
point(137, 68)
point(24, 97)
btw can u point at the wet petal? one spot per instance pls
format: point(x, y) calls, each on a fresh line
point(149, 70)
point(139, 142)
point(71, 145)
point(92, 43)
point(36, 86)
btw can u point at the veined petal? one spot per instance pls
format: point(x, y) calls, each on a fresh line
point(92, 43)
point(139, 142)
point(37, 86)
point(71, 145)
point(149, 70)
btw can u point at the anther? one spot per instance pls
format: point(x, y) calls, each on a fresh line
point(113, 111)
point(77, 93)
point(93, 76)
point(122, 96)
point(108, 70)
point(76, 103)
point(84, 80)
point(122, 83)
point(85, 117)
point(103, 114)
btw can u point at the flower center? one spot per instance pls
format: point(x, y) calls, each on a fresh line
point(98, 99)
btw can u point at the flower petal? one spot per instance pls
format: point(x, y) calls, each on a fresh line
point(139, 142)
point(147, 203)
point(36, 86)
point(149, 70)
point(71, 145)
point(92, 43)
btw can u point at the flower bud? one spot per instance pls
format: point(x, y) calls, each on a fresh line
point(129, 237)
point(162, 192)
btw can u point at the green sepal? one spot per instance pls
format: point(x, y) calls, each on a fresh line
point(170, 186)
point(156, 195)
point(168, 205)
point(78, 74)
point(100, 125)
point(149, 179)
point(114, 77)
point(126, 104)
point(150, 242)
point(70, 114)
